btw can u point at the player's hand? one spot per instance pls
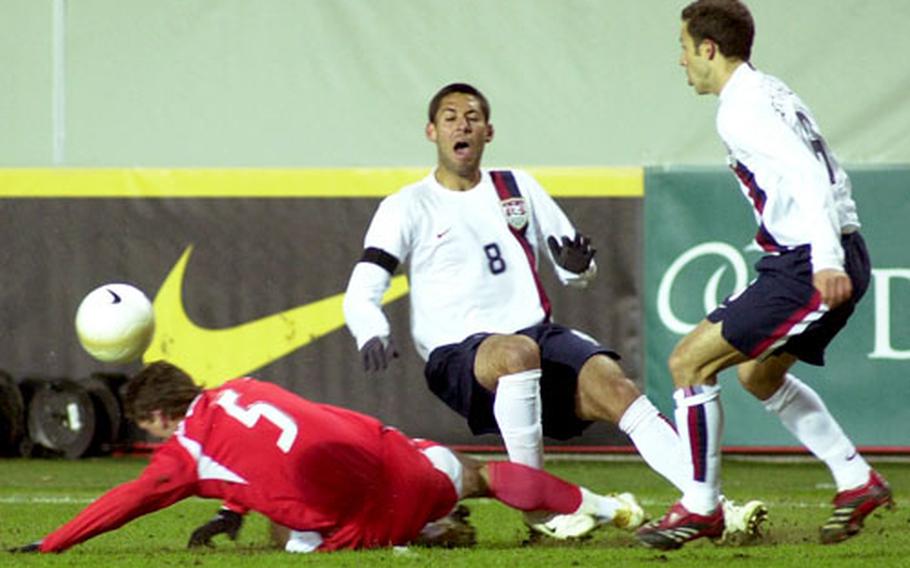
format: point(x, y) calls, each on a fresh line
point(573, 255)
point(224, 522)
point(377, 354)
point(834, 285)
point(31, 547)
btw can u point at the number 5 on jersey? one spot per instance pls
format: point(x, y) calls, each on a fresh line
point(249, 416)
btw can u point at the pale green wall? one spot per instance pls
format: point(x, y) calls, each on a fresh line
point(345, 82)
point(25, 82)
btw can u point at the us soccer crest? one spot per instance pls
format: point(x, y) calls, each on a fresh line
point(516, 212)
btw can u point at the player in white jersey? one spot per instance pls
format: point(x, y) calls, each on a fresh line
point(439, 229)
point(815, 271)
point(479, 315)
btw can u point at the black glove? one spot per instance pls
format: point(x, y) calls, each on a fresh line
point(225, 521)
point(376, 355)
point(32, 547)
point(575, 256)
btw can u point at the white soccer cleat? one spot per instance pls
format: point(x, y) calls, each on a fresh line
point(743, 523)
point(562, 527)
point(630, 515)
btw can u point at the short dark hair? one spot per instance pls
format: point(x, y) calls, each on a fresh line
point(159, 386)
point(458, 88)
point(728, 23)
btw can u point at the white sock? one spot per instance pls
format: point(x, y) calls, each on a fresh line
point(517, 409)
point(805, 415)
point(601, 506)
point(700, 421)
point(656, 441)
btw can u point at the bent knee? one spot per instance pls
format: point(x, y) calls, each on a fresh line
point(500, 355)
point(686, 369)
point(604, 390)
point(512, 353)
point(760, 380)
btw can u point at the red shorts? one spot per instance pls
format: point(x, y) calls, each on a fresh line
point(411, 494)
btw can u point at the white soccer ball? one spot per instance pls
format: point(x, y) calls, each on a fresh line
point(115, 323)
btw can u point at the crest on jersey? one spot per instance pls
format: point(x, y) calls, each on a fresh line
point(516, 212)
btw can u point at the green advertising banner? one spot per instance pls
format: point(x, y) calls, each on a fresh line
point(698, 229)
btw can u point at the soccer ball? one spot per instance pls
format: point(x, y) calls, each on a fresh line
point(115, 323)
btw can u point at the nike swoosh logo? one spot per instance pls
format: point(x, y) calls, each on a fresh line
point(214, 356)
point(443, 233)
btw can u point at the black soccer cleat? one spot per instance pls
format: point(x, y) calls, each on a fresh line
point(452, 531)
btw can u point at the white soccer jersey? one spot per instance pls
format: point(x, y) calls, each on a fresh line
point(468, 273)
point(798, 191)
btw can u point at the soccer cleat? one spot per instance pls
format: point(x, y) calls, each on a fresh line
point(743, 523)
point(679, 526)
point(562, 527)
point(851, 507)
point(630, 515)
point(452, 531)
point(302, 542)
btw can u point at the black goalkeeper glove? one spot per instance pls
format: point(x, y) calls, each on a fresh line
point(31, 547)
point(377, 355)
point(575, 256)
point(225, 521)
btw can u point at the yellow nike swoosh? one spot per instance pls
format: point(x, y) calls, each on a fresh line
point(213, 356)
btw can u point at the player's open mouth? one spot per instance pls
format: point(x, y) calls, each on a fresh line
point(461, 148)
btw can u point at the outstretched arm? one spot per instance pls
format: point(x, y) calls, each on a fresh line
point(363, 309)
point(163, 483)
point(570, 251)
point(384, 249)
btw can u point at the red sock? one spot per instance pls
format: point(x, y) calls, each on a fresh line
point(529, 489)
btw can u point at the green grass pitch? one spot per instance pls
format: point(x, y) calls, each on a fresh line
point(38, 495)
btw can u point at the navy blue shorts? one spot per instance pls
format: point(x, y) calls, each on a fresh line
point(781, 311)
point(563, 352)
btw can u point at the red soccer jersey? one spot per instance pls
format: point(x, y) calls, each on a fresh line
point(307, 466)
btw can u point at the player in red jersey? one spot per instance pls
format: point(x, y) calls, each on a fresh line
point(338, 479)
